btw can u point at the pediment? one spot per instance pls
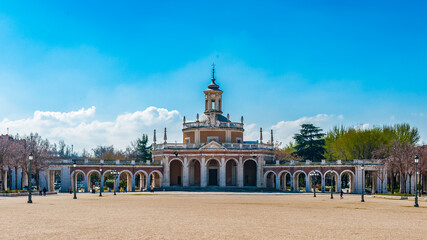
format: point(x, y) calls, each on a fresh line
point(212, 146)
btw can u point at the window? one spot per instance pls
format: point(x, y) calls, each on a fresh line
point(187, 140)
point(210, 139)
point(238, 140)
point(213, 105)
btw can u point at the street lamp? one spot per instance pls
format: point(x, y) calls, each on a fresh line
point(313, 182)
point(100, 180)
point(363, 183)
point(332, 185)
point(115, 174)
point(416, 158)
point(30, 159)
point(75, 179)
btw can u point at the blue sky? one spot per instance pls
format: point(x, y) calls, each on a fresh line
point(279, 63)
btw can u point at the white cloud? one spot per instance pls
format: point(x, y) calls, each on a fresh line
point(83, 130)
point(285, 130)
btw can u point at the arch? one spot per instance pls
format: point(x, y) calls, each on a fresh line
point(125, 184)
point(250, 159)
point(231, 172)
point(108, 180)
point(270, 179)
point(195, 168)
point(331, 180)
point(178, 159)
point(92, 183)
point(176, 168)
point(285, 177)
point(212, 171)
point(347, 185)
point(142, 180)
point(316, 180)
point(155, 179)
point(250, 171)
point(298, 181)
point(81, 181)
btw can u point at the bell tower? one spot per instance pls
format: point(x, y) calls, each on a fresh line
point(213, 97)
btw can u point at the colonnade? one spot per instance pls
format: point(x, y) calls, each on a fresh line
point(204, 172)
point(285, 178)
point(146, 180)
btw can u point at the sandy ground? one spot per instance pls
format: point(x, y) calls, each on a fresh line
point(210, 216)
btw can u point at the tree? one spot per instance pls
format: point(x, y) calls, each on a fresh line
point(286, 153)
point(103, 152)
point(143, 152)
point(310, 142)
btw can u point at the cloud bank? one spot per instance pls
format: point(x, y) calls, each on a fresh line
point(83, 130)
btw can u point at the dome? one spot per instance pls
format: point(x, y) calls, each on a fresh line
point(213, 85)
point(219, 117)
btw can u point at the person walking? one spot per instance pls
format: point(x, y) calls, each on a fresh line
point(341, 194)
point(44, 191)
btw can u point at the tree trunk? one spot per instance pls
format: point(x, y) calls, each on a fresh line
point(409, 184)
point(402, 183)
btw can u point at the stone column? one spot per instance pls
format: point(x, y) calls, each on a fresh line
point(338, 189)
point(14, 177)
point(117, 183)
point(260, 166)
point(24, 180)
point(166, 175)
point(186, 173)
point(65, 179)
point(86, 182)
point(51, 180)
point(101, 184)
point(307, 183)
point(277, 182)
point(5, 180)
point(240, 182)
point(222, 172)
point(292, 182)
point(203, 182)
point(141, 182)
point(197, 137)
point(133, 182)
point(228, 136)
point(19, 180)
point(322, 177)
point(240, 172)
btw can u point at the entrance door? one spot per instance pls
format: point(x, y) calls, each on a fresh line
point(213, 177)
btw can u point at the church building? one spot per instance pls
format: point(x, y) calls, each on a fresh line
point(214, 151)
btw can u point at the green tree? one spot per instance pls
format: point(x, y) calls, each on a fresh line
point(310, 142)
point(143, 152)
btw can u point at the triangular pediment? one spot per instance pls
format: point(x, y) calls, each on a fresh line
point(213, 145)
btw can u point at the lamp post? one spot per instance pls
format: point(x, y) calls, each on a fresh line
point(30, 159)
point(363, 182)
point(416, 158)
point(332, 185)
point(115, 173)
point(100, 180)
point(75, 179)
point(314, 183)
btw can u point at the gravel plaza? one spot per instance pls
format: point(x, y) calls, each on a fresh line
point(211, 215)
